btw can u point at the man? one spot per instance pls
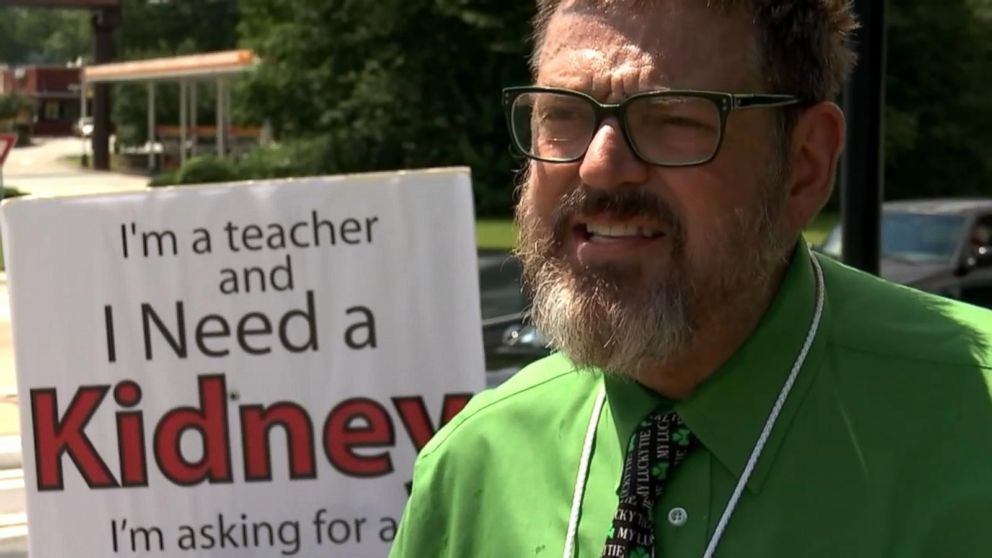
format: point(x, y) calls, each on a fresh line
point(718, 390)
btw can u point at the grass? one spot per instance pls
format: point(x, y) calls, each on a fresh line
point(820, 227)
point(496, 233)
point(9, 191)
point(72, 160)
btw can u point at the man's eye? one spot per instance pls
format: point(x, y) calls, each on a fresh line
point(558, 114)
point(677, 121)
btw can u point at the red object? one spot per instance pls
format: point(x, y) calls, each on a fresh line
point(7, 141)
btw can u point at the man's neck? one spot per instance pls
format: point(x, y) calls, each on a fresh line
point(721, 333)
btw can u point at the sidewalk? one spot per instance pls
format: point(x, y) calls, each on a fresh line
point(10, 426)
point(41, 170)
point(13, 519)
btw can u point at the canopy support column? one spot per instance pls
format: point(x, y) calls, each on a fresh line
point(193, 117)
point(151, 126)
point(183, 113)
point(221, 119)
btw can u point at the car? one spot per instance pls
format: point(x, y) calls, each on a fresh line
point(83, 127)
point(942, 246)
point(510, 342)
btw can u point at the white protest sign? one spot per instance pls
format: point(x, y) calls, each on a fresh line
point(238, 370)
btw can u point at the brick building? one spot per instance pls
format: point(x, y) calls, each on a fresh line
point(54, 90)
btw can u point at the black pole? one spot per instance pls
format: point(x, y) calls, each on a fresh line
point(104, 21)
point(863, 167)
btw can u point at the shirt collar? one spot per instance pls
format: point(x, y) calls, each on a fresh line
point(729, 410)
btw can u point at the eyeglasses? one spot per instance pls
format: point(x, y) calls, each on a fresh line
point(663, 128)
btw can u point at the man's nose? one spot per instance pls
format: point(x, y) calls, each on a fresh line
point(609, 162)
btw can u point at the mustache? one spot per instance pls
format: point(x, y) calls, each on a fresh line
point(618, 203)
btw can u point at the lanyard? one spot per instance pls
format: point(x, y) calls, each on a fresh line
point(759, 445)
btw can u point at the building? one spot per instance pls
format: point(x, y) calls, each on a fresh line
point(54, 91)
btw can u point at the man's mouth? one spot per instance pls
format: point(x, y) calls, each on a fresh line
point(615, 232)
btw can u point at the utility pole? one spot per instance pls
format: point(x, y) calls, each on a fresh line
point(863, 166)
point(104, 20)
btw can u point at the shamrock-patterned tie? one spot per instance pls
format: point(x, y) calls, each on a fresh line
point(656, 448)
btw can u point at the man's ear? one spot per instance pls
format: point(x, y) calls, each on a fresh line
point(817, 142)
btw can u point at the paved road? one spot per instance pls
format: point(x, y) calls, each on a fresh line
point(41, 171)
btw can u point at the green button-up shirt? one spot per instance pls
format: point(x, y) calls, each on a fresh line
point(883, 448)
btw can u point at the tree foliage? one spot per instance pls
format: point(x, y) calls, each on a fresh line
point(43, 36)
point(170, 28)
point(938, 117)
point(12, 105)
point(394, 83)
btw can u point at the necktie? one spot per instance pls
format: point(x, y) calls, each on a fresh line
point(659, 444)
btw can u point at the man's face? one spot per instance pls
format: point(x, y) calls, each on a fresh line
point(628, 261)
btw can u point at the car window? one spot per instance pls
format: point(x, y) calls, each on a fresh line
point(921, 238)
point(911, 237)
point(500, 286)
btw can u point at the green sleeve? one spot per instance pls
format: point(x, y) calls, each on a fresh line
point(423, 530)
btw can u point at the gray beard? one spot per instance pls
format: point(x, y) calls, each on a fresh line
point(618, 320)
point(598, 326)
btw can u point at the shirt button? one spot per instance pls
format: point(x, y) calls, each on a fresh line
point(678, 516)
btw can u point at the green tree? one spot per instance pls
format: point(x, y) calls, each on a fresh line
point(12, 105)
point(939, 120)
point(392, 84)
point(43, 36)
point(174, 27)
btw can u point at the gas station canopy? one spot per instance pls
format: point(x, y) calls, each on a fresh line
point(187, 71)
point(214, 64)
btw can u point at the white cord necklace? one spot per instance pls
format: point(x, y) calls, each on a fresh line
point(583, 475)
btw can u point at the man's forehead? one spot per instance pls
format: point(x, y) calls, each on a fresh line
point(672, 43)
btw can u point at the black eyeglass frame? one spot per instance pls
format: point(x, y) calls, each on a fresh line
point(725, 104)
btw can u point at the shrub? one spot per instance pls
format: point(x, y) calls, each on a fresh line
point(293, 159)
point(12, 192)
point(205, 169)
point(296, 158)
point(12, 105)
point(167, 178)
